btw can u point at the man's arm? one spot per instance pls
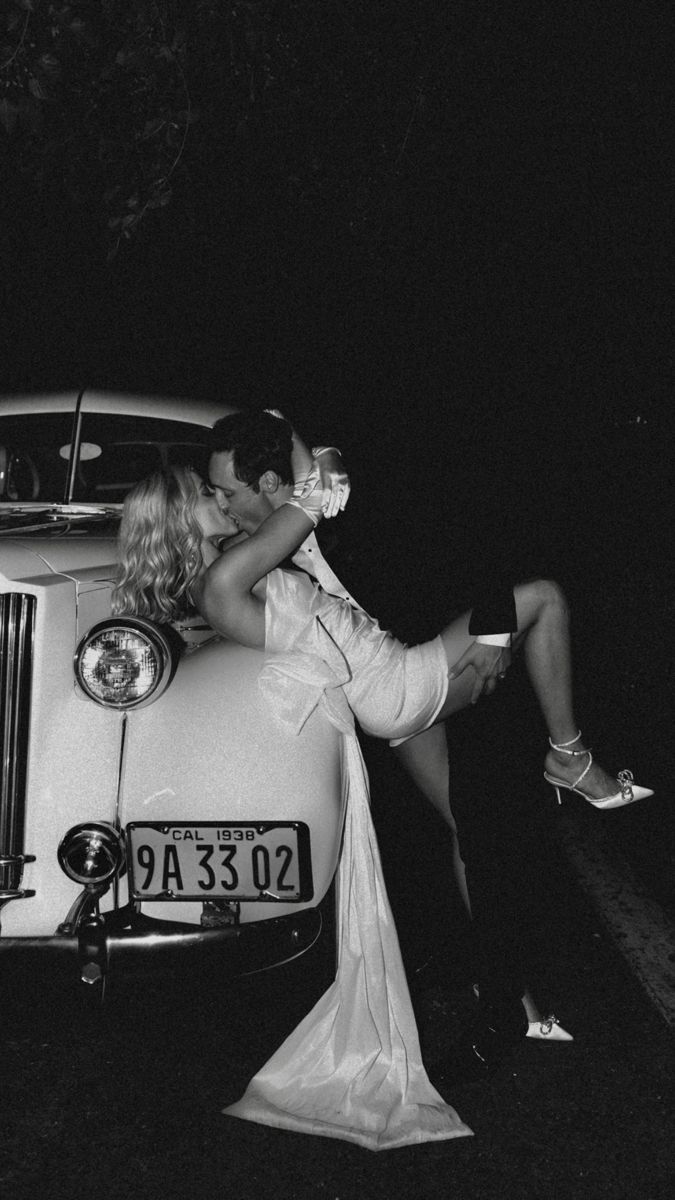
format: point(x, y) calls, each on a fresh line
point(495, 616)
point(490, 655)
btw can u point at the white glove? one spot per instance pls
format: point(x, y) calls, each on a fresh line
point(334, 479)
point(309, 496)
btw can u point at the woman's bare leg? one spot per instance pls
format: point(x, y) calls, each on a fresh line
point(543, 630)
point(425, 758)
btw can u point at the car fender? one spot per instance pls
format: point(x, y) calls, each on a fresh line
point(212, 749)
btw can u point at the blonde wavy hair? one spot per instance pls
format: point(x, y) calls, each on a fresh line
point(159, 544)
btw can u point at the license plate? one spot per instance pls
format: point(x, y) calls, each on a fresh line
point(247, 860)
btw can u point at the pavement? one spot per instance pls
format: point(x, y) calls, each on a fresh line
point(130, 1104)
point(593, 1118)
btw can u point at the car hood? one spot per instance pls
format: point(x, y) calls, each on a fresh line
point(21, 558)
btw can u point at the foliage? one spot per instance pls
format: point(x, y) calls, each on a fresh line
point(121, 102)
point(95, 96)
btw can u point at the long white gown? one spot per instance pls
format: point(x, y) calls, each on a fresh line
point(352, 1069)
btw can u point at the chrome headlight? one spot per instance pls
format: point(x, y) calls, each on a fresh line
point(125, 662)
point(91, 853)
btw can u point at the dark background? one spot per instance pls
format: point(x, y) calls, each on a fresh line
point(434, 235)
point(436, 231)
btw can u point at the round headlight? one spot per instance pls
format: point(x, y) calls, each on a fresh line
point(91, 853)
point(124, 662)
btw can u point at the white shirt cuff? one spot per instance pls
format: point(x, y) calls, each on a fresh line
point(494, 639)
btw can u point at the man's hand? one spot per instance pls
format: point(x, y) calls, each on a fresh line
point(333, 481)
point(489, 663)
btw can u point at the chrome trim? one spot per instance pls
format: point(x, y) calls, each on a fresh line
point(92, 836)
point(17, 625)
point(118, 800)
point(163, 641)
point(120, 773)
point(14, 860)
point(74, 450)
point(83, 907)
point(163, 945)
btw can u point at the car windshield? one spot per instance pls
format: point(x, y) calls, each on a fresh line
point(115, 451)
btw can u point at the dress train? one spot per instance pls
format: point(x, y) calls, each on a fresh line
point(352, 1069)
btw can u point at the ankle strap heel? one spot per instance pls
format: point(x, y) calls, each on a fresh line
point(628, 792)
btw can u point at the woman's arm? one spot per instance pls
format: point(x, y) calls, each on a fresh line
point(333, 479)
point(225, 597)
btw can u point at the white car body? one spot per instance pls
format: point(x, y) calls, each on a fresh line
point(207, 750)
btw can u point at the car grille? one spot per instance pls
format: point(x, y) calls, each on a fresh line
point(17, 622)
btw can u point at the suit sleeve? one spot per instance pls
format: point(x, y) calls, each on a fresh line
point(494, 613)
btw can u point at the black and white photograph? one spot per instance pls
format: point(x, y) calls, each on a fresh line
point(337, 840)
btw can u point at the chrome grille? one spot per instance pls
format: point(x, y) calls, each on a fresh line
point(17, 622)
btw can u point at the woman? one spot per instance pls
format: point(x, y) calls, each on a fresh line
point(178, 549)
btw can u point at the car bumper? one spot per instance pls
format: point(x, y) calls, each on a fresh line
point(97, 949)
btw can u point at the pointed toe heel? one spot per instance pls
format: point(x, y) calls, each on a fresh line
point(629, 791)
point(548, 1030)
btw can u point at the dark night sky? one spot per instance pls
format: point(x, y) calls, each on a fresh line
point(485, 300)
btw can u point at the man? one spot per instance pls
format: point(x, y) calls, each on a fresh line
point(254, 461)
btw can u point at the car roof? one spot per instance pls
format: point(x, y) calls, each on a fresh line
point(172, 408)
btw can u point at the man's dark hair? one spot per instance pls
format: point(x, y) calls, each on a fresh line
point(258, 442)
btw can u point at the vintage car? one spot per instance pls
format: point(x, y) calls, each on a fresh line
point(151, 808)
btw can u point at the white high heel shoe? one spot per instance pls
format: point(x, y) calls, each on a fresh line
point(548, 1029)
point(628, 792)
